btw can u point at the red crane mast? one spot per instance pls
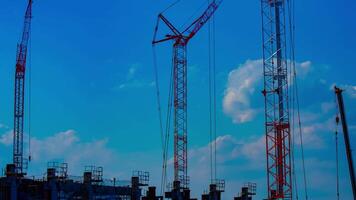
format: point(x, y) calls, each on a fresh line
point(19, 104)
point(181, 40)
point(277, 123)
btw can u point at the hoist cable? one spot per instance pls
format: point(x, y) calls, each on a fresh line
point(292, 99)
point(29, 101)
point(301, 141)
point(293, 103)
point(164, 137)
point(158, 106)
point(291, 8)
point(214, 95)
point(158, 95)
point(170, 6)
point(168, 127)
point(210, 103)
point(191, 16)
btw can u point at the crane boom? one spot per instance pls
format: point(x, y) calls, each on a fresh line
point(19, 104)
point(22, 47)
point(191, 30)
point(340, 100)
point(202, 20)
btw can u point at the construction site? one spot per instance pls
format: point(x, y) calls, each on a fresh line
point(279, 170)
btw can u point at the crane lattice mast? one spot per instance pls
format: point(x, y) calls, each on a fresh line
point(277, 123)
point(20, 93)
point(181, 40)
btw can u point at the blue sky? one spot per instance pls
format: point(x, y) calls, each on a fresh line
point(93, 88)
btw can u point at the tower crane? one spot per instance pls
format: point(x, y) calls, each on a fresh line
point(277, 123)
point(19, 104)
point(340, 100)
point(180, 41)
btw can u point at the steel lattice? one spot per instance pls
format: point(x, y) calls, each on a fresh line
point(180, 113)
point(277, 125)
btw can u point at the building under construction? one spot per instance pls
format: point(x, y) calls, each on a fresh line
point(58, 184)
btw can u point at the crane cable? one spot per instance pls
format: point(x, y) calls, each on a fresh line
point(168, 123)
point(170, 6)
point(337, 120)
point(212, 98)
point(193, 14)
point(210, 104)
point(214, 95)
point(168, 127)
point(291, 11)
point(295, 182)
point(30, 101)
point(164, 134)
point(158, 95)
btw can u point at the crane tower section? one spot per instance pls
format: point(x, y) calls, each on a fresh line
point(277, 123)
point(19, 103)
point(180, 113)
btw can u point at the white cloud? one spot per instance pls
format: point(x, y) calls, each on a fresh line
point(315, 123)
point(246, 81)
point(303, 69)
point(225, 146)
point(132, 80)
point(229, 149)
point(326, 107)
point(4, 126)
point(7, 138)
point(68, 147)
point(350, 90)
point(132, 71)
point(255, 149)
point(240, 87)
point(233, 155)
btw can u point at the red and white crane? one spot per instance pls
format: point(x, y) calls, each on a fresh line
point(181, 40)
point(19, 105)
point(277, 122)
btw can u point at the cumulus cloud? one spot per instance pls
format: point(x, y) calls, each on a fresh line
point(303, 68)
point(350, 90)
point(242, 84)
point(315, 123)
point(67, 146)
point(229, 149)
point(235, 159)
point(7, 138)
